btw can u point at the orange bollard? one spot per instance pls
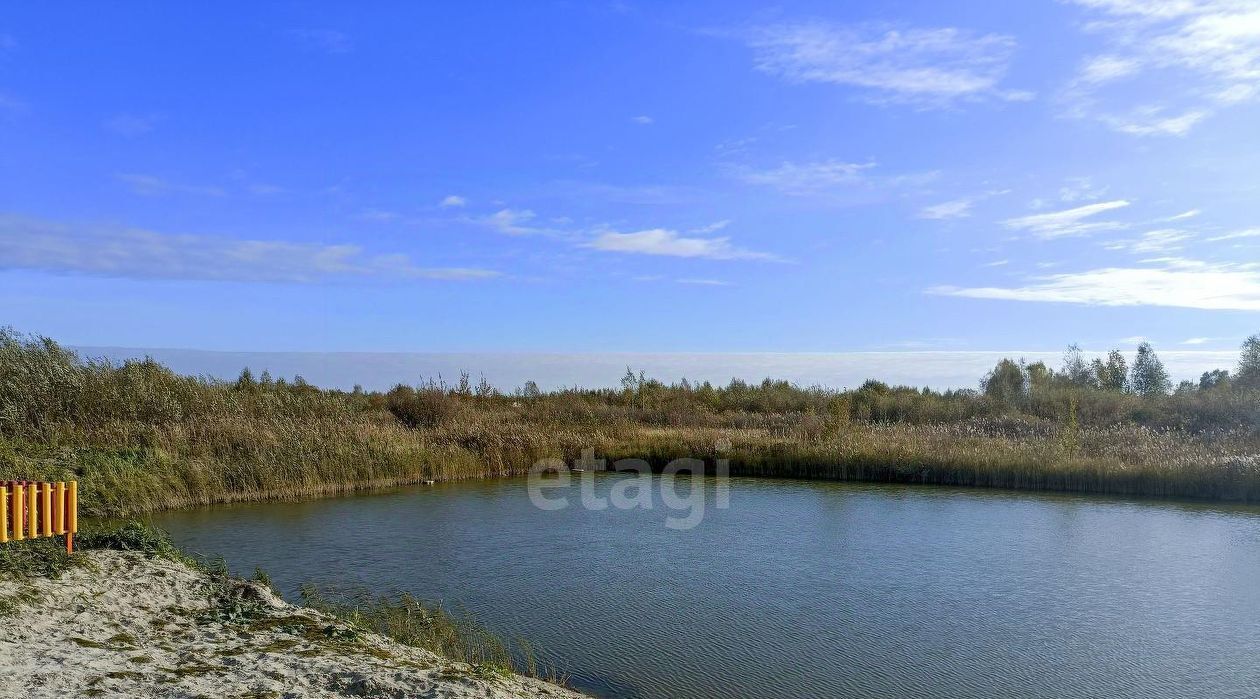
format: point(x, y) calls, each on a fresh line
point(59, 508)
point(4, 514)
point(16, 502)
point(45, 509)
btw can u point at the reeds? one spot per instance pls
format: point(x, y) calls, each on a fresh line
point(139, 437)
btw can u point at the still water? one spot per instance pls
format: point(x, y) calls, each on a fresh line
point(802, 589)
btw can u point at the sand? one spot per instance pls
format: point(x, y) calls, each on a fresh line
point(131, 626)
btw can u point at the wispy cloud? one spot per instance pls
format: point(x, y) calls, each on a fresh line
point(801, 179)
point(142, 254)
point(661, 241)
point(1189, 58)
point(643, 120)
point(512, 221)
point(958, 208)
point(1158, 241)
point(932, 67)
point(1236, 235)
point(1069, 222)
point(325, 40)
point(1196, 341)
point(152, 185)
point(453, 201)
point(1170, 282)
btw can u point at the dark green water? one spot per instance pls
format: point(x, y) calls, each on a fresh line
point(804, 589)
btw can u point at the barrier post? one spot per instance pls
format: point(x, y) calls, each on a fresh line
point(72, 515)
point(45, 509)
point(16, 502)
point(59, 508)
point(4, 514)
point(32, 513)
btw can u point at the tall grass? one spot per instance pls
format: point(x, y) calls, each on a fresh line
point(139, 437)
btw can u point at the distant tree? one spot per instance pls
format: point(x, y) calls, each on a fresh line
point(530, 390)
point(464, 388)
point(1039, 376)
point(1113, 374)
point(1075, 370)
point(1006, 382)
point(265, 378)
point(1213, 379)
point(245, 380)
point(1248, 375)
point(1149, 376)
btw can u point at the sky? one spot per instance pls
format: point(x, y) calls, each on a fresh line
point(632, 177)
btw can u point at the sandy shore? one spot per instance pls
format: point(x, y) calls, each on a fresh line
point(132, 626)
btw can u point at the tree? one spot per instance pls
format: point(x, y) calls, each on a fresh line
point(1006, 382)
point(1149, 376)
point(1039, 376)
point(245, 381)
point(1112, 375)
point(1075, 370)
point(1213, 379)
point(1248, 374)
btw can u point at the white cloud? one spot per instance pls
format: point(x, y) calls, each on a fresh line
point(1196, 341)
point(661, 241)
point(1171, 282)
point(927, 67)
point(142, 254)
point(151, 186)
point(453, 201)
point(1150, 121)
point(512, 221)
point(958, 208)
point(1081, 189)
point(1157, 241)
point(1192, 57)
point(643, 119)
point(1070, 222)
point(1249, 233)
point(1184, 215)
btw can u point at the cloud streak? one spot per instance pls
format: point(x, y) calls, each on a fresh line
point(661, 241)
point(933, 67)
point(1069, 222)
point(1175, 283)
point(142, 254)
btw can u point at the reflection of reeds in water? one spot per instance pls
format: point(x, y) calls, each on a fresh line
point(138, 437)
point(455, 635)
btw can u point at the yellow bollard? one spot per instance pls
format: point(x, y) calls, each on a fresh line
point(59, 508)
point(16, 502)
point(4, 514)
point(45, 509)
point(72, 514)
point(32, 503)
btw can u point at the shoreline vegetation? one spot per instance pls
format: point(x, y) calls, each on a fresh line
point(141, 438)
point(129, 615)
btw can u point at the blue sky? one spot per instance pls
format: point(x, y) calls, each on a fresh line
point(634, 177)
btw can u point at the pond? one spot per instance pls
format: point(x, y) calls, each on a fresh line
point(799, 589)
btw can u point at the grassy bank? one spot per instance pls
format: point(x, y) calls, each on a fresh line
point(139, 437)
